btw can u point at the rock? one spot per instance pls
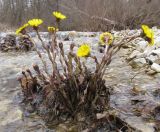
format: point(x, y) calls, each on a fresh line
point(32, 34)
point(142, 54)
point(101, 115)
point(155, 67)
point(136, 63)
point(67, 38)
point(151, 72)
point(141, 45)
point(72, 34)
point(148, 51)
point(136, 90)
point(44, 34)
point(152, 58)
point(157, 41)
point(11, 117)
point(157, 61)
point(61, 35)
point(139, 124)
point(134, 54)
point(156, 52)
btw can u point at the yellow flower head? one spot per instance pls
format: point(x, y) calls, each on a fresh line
point(84, 50)
point(35, 22)
point(148, 34)
point(59, 15)
point(52, 29)
point(21, 29)
point(106, 38)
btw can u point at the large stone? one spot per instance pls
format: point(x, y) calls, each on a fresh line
point(141, 45)
point(157, 39)
point(151, 59)
point(136, 63)
point(156, 52)
point(148, 51)
point(145, 53)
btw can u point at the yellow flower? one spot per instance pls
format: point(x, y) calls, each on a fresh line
point(59, 15)
point(52, 29)
point(84, 50)
point(35, 22)
point(148, 34)
point(21, 29)
point(106, 38)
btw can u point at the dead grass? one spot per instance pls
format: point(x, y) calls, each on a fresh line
point(6, 28)
point(88, 15)
point(114, 14)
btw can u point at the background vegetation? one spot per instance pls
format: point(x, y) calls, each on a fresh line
point(84, 15)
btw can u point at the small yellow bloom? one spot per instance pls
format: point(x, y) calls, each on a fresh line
point(148, 34)
point(21, 29)
point(106, 38)
point(84, 50)
point(52, 29)
point(59, 15)
point(35, 22)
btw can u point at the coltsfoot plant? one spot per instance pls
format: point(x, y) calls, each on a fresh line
point(13, 43)
point(75, 90)
point(8, 43)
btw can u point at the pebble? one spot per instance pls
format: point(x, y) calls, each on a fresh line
point(155, 67)
point(134, 54)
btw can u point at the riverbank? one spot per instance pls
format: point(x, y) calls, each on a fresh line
point(133, 96)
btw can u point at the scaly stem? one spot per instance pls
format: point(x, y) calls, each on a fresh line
point(112, 51)
point(49, 56)
point(40, 56)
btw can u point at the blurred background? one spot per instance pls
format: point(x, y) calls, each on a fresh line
point(83, 15)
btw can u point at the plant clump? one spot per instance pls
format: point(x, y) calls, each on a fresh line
point(69, 89)
point(13, 43)
point(8, 43)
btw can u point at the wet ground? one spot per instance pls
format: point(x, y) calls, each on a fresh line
point(133, 100)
